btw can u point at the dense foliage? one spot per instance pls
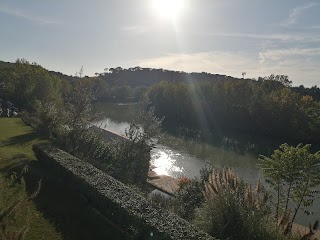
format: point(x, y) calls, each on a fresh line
point(25, 84)
point(225, 206)
point(125, 158)
point(266, 107)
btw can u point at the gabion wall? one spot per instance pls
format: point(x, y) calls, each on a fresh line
point(115, 200)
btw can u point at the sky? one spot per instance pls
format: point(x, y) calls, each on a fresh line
point(259, 37)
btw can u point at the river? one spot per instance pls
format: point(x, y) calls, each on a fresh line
point(186, 157)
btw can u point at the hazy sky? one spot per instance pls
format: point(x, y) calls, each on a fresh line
point(259, 37)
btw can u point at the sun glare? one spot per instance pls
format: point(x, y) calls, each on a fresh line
point(168, 8)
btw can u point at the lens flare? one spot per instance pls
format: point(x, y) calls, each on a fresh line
point(168, 8)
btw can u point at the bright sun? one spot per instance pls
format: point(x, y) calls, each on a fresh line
point(168, 8)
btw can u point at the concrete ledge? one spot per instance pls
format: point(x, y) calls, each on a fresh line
point(115, 200)
point(106, 134)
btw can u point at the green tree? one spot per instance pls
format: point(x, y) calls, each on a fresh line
point(77, 116)
point(24, 83)
point(294, 173)
point(133, 156)
point(46, 117)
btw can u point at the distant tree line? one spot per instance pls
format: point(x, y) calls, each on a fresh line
point(265, 107)
point(121, 84)
point(138, 76)
point(313, 92)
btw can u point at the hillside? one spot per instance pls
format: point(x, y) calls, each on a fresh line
point(146, 77)
point(138, 76)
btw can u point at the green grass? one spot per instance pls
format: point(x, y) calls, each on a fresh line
point(16, 140)
point(58, 212)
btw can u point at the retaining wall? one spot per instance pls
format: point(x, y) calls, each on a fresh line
point(115, 200)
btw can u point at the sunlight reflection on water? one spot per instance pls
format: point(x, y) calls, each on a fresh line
point(164, 161)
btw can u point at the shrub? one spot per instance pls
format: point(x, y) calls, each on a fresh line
point(188, 198)
point(125, 159)
point(233, 209)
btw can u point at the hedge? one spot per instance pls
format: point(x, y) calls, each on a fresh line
point(115, 200)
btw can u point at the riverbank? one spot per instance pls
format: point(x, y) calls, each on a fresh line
point(184, 157)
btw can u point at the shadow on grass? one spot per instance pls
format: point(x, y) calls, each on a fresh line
point(15, 164)
point(23, 139)
point(68, 209)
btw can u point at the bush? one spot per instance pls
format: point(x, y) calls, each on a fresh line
point(125, 158)
point(233, 209)
point(189, 197)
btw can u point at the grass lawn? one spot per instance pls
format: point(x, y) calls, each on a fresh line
point(57, 212)
point(16, 140)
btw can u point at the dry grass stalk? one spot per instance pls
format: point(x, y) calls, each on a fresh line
point(226, 179)
point(219, 180)
point(284, 220)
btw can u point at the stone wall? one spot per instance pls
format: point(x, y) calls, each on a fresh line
point(115, 200)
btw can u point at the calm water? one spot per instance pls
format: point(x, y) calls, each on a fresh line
point(179, 157)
